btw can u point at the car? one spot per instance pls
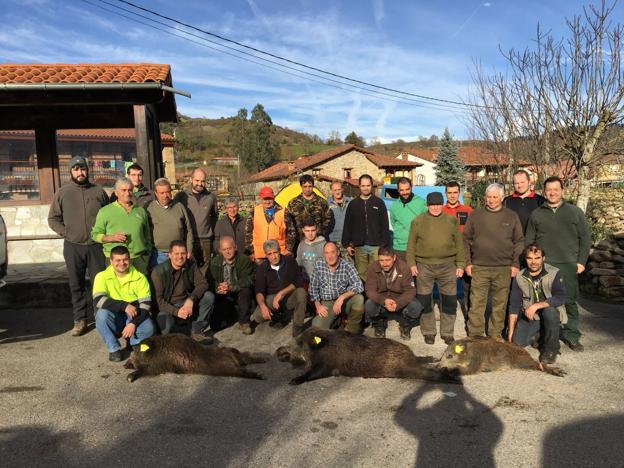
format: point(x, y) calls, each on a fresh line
point(4, 261)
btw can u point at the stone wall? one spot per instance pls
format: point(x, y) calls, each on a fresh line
point(606, 212)
point(606, 268)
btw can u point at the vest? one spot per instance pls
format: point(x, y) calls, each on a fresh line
point(547, 280)
point(263, 231)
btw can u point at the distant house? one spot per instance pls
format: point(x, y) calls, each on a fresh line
point(426, 172)
point(225, 161)
point(216, 181)
point(343, 163)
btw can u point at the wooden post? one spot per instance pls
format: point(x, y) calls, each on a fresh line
point(149, 153)
point(47, 162)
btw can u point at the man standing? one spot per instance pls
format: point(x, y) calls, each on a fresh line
point(169, 221)
point(122, 301)
point(307, 205)
point(267, 222)
point(336, 288)
point(402, 212)
point(493, 242)
point(231, 277)
point(182, 294)
point(523, 200)
point(142, 195)
point(124, 223)
point(231, 225)
point(201, 206)
point(435, 253)
point(72, 216)
point(365, 227)
point(561, 230)
point(279, 289)
point(391, 294)
point(338, 203)
point(536, 305)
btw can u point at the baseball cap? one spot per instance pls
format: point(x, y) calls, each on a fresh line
point(266, 192)
point(435, 198)
point(77, 161)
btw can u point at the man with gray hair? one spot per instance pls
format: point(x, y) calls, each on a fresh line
point(493, 242)
point(279, 289)
point(123, 222)
point(169, 221)
point(231, 225)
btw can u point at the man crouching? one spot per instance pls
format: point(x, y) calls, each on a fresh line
point(121, 299)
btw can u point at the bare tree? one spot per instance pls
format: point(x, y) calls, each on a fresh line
point(558, 100)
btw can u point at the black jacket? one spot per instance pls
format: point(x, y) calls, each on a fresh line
point(269, 281)
point(366, 223)
point(523, 207)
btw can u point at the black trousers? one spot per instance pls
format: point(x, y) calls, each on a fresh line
point(79, 260)
point(240, 301)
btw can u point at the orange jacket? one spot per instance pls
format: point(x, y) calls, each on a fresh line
point(263, 230)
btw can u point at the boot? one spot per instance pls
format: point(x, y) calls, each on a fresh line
point(405, 332)
point(80, 327)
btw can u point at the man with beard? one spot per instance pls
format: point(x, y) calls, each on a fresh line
point(402, 212)
point(201, 205)
point(72, 216)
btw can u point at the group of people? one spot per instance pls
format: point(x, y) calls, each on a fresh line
point(173, 261)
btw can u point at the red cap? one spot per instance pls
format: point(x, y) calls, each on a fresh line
point(266, 192)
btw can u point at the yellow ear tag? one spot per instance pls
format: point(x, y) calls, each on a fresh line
point(144, 348)
point(459, 349)
point(317, 339)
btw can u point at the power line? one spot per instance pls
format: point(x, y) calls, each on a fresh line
point(299, 74)
point(309, 67)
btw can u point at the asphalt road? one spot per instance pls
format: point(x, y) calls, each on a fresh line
point(63, 404)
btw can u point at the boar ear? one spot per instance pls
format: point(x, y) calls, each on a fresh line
point(459, 348)
point(317, 342)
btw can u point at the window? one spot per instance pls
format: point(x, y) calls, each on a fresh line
point(19, 172)
point(420, 179)
point(316, 172)
point(346, 173)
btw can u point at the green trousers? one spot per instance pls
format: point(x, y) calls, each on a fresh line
point(484, 278)
point(570, 331)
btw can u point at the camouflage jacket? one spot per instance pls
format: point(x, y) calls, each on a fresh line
point(297, 211)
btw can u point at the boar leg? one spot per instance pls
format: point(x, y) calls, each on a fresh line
point(132, 376)
point(317, 372)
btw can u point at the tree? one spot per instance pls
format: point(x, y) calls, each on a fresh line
point(334, 138)
point(264, 148)
point(354, 139)
point(558, 101)
point(241, 138)
point(448, 168)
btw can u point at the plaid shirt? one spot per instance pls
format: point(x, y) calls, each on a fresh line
point(327, 285)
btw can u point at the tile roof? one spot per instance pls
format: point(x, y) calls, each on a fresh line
point(468, 155)
point(85, 73)
point(285, 168)
point(122, 134)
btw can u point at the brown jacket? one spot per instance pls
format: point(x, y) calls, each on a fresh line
point(401, 289)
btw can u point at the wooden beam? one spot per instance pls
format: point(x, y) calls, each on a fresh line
point(144, 150)
point(47, 161)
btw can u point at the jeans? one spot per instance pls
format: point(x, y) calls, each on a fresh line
point(202, 311)
point(407, 316)
point(352, 307)
point(79, 260)
point(110, 325)
point(547, 328)
point(157, 257)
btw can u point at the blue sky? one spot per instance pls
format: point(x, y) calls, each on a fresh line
point(421, 46)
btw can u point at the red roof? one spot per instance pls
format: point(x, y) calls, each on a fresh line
point(106, 134)
point(85, 73)
point(285, 168)
point(468, 155)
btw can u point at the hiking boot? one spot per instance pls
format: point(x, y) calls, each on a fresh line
point(448, 339)
point(278, 325)
point(297, 329)
point(80, 327)
point(380, 330)
point(115, 356)
point(575, 346)
point(202, 339)
point(429, 339)
point(548, 357)
point(245, 328)
point(405, 332)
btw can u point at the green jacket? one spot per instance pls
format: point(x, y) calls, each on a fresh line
point(562, 233)
point(242, 273)
point(434, 240)
point(114, 218)
point(401, 216)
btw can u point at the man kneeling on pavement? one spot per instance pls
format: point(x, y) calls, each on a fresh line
point(182, 294)
point(279, 290)
point(537, 305)
point(391, 294)
point(335, 287)
point(122, 301)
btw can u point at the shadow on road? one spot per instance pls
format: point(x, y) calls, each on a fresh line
point(34, 324)
point(605, 318)
point(453, 430)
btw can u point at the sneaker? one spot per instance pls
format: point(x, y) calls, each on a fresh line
point(380, 331)
point(448, 339)
point(115, 356)
point(297, 329)
point(575, 346)
point(405, 333)
point(202, 339)
point(80, 327)
point(429, 339)
point(548, 357)
point(245, 328)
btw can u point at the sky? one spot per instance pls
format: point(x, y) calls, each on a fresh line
point(422, 47)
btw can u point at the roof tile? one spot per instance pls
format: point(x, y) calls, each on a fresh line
point(89, 133)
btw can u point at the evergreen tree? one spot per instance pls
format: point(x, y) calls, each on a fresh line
point(265, 151)
point(448, 168)
point(240, 137)
point(354, 139)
